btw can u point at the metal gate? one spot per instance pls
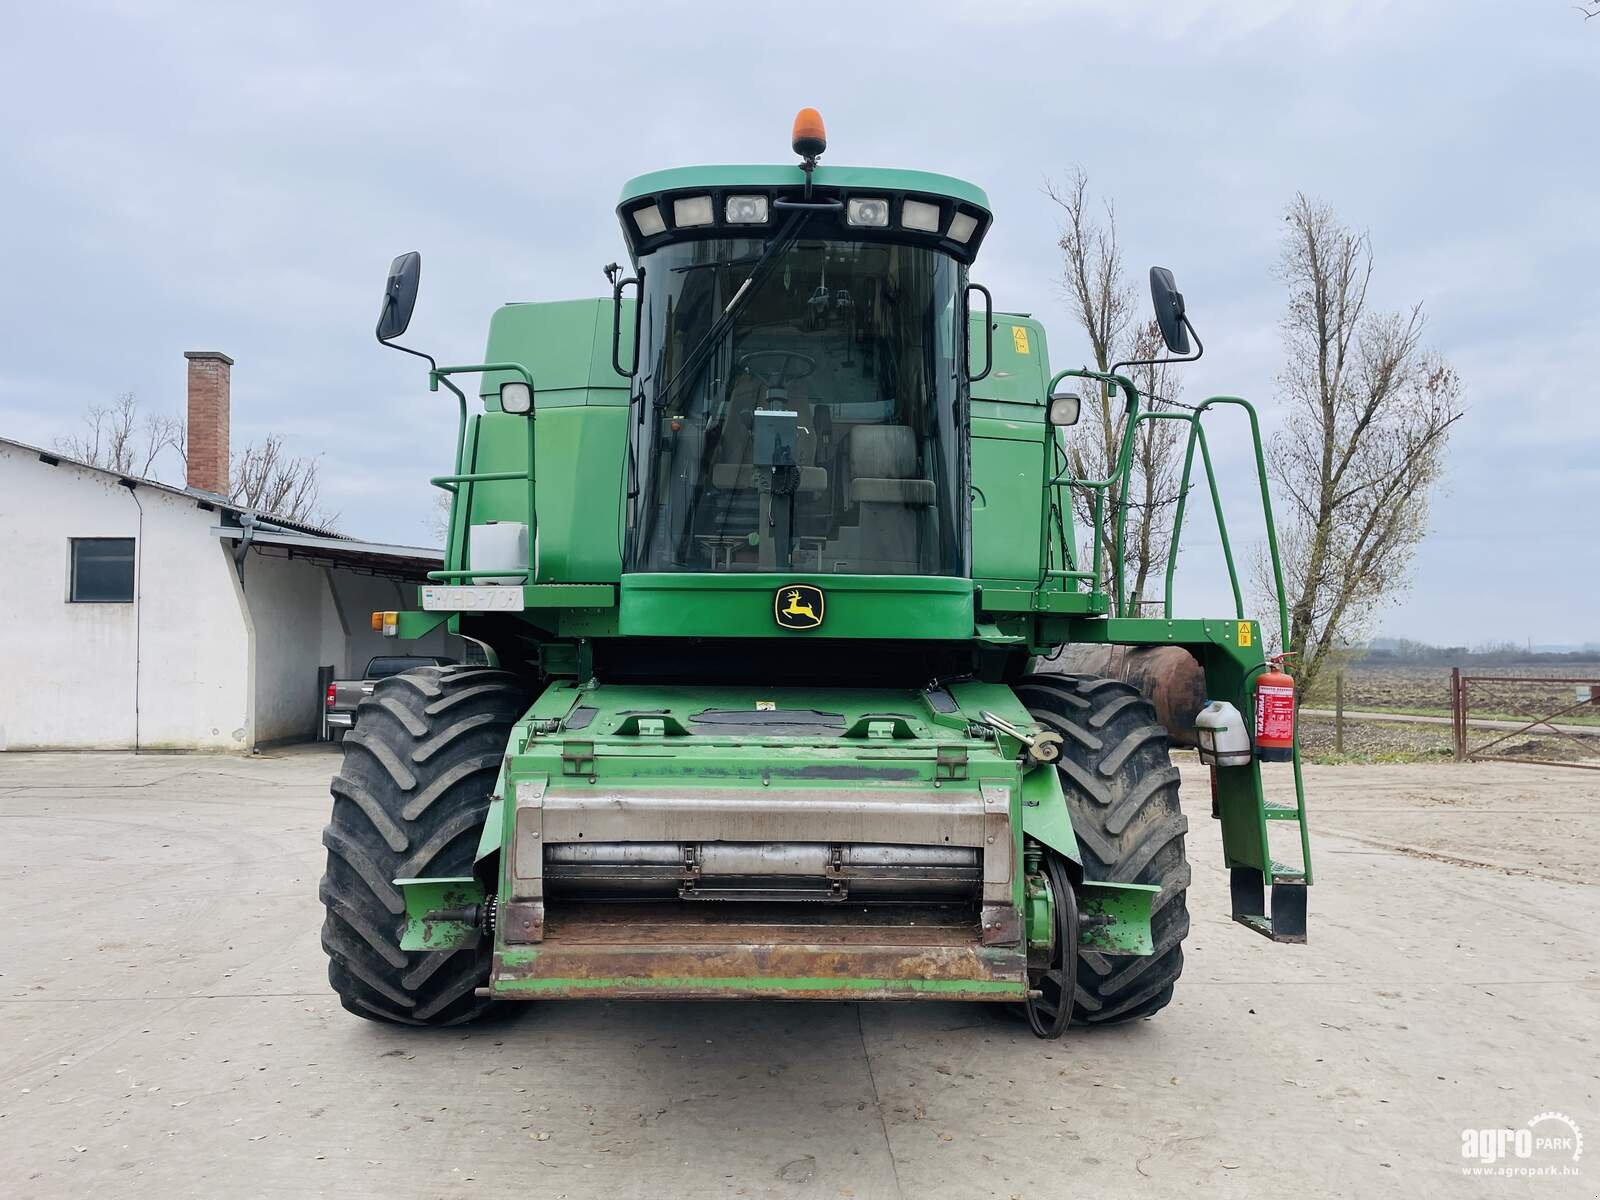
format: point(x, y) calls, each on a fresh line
point(1522, 706)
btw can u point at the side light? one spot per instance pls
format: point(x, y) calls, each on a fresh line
point(333, 693)
point(648, 221)
point(516, 397)
point(745, 210)
point(962, 226)
point(872, 212)
point(691, 210)
point(1064, 408)
point(920, 215)
point(377, 622)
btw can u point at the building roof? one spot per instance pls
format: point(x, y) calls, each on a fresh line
point(298, 539)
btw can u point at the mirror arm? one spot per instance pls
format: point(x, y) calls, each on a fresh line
point(1199, 349)
point(432, 365)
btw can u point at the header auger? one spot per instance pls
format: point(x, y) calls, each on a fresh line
point(764, 548)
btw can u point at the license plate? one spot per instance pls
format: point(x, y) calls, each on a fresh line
point(486, 598)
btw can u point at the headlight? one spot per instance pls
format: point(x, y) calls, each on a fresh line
point(746, 210)
point(648, 221)
point(920, 215)
point(873, 212)
point(691, 210)
point(962, 226)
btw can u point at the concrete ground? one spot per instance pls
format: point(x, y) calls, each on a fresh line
point(167, 1029)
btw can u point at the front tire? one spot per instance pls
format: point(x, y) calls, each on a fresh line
point(1122, 795)
point(408, 801)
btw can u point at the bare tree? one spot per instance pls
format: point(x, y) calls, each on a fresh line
point(1102, 301)
point(267, 478)
point(263, 476)
point(1369, 413)
point(120, 438)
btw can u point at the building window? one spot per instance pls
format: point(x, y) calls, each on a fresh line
point(102, 570)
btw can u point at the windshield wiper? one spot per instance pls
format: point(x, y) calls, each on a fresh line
point(721, 262)
point(722, 327)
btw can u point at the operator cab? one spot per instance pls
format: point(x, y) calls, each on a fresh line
point(802, 371)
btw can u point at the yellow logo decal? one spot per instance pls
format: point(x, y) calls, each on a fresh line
point(1244, 633)
point(798, 606)
point(1019, 338)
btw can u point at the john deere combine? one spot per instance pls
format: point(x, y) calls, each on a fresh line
point(764, 549)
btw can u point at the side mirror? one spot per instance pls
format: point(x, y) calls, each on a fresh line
point(399, 296)
point(1064, 409)
point(516, 397)
point(1168, 302)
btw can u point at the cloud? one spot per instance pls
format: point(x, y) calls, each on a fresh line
point(185, 176)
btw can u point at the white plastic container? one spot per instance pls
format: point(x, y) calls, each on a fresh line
point(1223, 739)
point(497, 545)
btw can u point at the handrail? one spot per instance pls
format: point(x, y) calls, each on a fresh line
point(1051, 479)
point(460, 482)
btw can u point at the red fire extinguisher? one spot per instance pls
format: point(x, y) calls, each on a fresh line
point(1275, 713)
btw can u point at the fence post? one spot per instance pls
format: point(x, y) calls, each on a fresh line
point(1458, 716)
point(1338, 712)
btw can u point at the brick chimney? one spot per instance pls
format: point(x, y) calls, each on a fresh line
point(209, 372)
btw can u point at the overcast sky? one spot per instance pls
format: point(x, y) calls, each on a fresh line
point(237, 178)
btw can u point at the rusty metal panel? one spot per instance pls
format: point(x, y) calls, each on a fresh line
point(527, 840)
point(680, 951)
point(521, 921)
point(1002, 925)
point(997, 843)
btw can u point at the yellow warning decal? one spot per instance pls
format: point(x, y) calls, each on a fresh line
point(1244, 633)
point(1019, 339)
point(766, 706)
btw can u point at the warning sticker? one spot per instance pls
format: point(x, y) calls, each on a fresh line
point(766, 706)
point(1019, 339)
point(1244, 633)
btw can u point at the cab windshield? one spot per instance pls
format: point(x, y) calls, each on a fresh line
point(799, 409)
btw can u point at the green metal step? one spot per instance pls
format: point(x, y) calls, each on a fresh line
point(1276, 811)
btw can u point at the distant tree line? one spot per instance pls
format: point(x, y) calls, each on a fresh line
point(1408, 652)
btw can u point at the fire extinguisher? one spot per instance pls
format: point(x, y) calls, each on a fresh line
point(1275, 713)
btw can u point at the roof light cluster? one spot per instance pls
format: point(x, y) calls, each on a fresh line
point(940, 217)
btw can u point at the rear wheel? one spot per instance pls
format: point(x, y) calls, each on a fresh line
point(1122, 794)
point(409, 800)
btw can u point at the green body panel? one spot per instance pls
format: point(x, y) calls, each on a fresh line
point(566, 344)
point(788, 987)
point(1045, 816)
point(1116, 916)
point(740, 605)
point(426, 897)
point(790, 174)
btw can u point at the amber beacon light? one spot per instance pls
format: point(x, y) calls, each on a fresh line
point(810, 138)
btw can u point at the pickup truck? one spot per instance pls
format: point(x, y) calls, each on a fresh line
point(339, 710)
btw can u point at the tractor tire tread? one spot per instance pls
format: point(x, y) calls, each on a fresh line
point(1122, 794)
point(409, 801)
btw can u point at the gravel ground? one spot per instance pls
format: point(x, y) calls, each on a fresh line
point(169, 1032)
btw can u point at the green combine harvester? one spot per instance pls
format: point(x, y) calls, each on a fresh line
point(765, 550)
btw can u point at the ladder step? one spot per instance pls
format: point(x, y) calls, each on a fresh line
point(1283, 873)
point(1280, 812)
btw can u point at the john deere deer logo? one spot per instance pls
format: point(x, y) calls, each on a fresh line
point(798, 606)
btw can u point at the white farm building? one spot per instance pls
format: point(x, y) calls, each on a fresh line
point(136, 615)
